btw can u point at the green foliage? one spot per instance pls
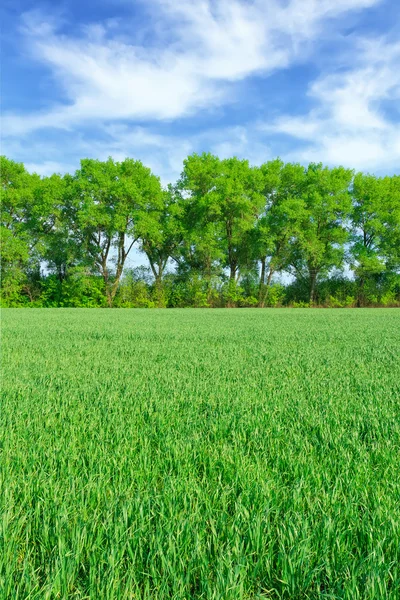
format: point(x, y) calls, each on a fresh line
point(232, 293)
point(227, 193)
point(220, 455)
point(17, 240)
point(275, 295)
point(114, 205)
point(375, 229)
point(280, 222)
point(223, 219)
point(135, 290)
point(80, 290)
point(190, 289)
point(319, 244)
point(13, 281)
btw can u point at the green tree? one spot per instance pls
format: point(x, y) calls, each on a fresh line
point(228, 194)
point(318, 246)
point(114, 204)
point(199, 258)
point(391, 239)
point(56, 224)
point(161, 238)
point(279, 222)
point(19, 252)
point(375, 228)
point(368, 229)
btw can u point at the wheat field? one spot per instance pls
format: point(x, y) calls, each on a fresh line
point(207, 454)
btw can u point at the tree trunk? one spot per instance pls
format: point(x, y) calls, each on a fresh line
point(232, 274)
point(115, 284)
point(159, 291)
point(104, 272)
point(313, 285)
point(232, 285)
point(262, 281)
point(266, 288)
point(361, 294)
point(158, 271)
point(122, 255)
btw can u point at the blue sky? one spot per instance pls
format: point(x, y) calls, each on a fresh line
point(307, 80)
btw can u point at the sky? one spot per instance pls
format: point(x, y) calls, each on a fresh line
point(155, 80)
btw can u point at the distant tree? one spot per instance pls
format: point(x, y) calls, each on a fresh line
point(199, 260)
point(114, 203)
point(19, 239)
point(227, 198)
point(280, 220)
point(53, 227)
point(375, 228)
point(135, 288)
point(392, 248)
point(319, 243)
point(161, 236)
point(368, 229)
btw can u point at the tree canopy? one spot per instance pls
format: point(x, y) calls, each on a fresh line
point(227, 233)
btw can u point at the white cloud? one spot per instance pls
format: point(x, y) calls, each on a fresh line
point(350, 125)
point(211, 44)
point(198, 51)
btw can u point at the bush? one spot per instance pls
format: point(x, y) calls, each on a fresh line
point(249, 301)
point(135, 290)
point(275, 295)
point(300, 304)
point(80, 289)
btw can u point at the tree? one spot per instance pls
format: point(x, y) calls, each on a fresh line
point(375, 228)
point(199, 258)
point(161, 238)
point(227, 193)
point(368, 229)
point(53, 217)
point(319, 244)
point(18, 242)
point(114, 203)
point(391, 239)
point(280, 220)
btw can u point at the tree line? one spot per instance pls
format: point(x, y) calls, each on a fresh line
point(222, 235)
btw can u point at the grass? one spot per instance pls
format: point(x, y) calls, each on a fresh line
point(216, 454)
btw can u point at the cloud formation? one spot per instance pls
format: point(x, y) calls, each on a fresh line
point(178, 76)
point(353, 121)
point(199, 49)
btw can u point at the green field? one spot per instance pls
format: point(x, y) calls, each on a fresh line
point(216, 454)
